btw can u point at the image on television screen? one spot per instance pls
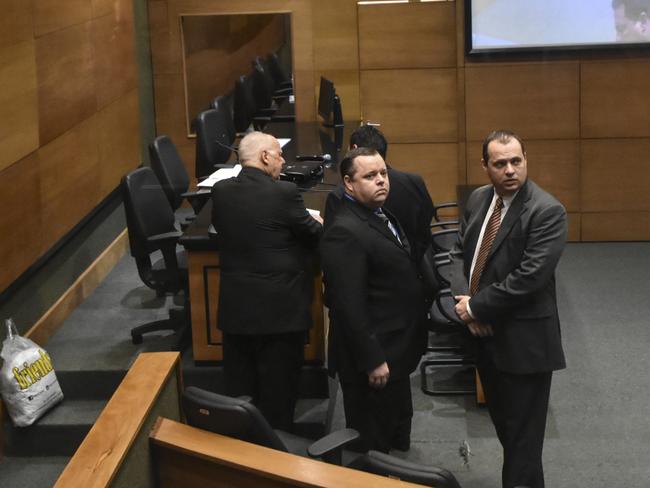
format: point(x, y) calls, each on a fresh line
point(502, 25)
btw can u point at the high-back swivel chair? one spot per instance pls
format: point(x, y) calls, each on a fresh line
point(240, 419)
point(213, 141)
point(150, 222)
point(168, 167)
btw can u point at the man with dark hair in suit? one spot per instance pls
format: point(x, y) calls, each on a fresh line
point(408, 200)
point(376, 335)
point(266, 241)
point(511, 238)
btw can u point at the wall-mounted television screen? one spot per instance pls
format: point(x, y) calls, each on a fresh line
point(539, 25)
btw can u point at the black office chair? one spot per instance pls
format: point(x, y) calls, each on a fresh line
point(240, 419)
point(150, 222)
point(168, 167)
point(437, 207)
point(223, 105)
point(213, 150)
point(447, 347)
point(278, 93)
point(280, 79)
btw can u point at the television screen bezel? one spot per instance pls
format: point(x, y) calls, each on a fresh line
point(470, 51)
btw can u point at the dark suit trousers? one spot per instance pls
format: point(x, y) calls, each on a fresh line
point(266, 368)
point(518, 405)
point(382, 416)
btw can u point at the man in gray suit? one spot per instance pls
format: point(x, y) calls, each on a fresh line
point(511, 237)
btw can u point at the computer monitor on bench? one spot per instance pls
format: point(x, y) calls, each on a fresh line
point(329, 104)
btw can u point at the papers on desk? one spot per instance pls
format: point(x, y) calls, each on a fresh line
point(220, 174)
point(313, 213)
point(283, 141)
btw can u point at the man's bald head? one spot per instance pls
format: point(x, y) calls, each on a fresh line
point(261, 151)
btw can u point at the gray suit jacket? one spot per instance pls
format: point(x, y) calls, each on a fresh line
point(517, 288)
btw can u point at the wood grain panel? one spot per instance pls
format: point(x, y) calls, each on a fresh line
point(20, 221)
point(436, 163)
point(118, 137)
point(616, 226)
point(69, 189)
point(112, 440)
point(335, 32)
point(121, 10)
point(165, 54)
point(615, 99)
point(424, 36)
point(66, 85)
point(15, 22)
point(417, 105)
point(575, 227)
point(18, 102)
point(114, 61)
point(52, 15)
point(553, 165)
point(615, 176)
point(170, 114)
point(539, 101)
point(221, 461)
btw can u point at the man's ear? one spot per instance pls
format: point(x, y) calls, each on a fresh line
point(484, 164)
point(347, 182)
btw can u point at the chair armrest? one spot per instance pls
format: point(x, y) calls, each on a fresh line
point(167, 236)
point(283, 118)
point(330, 447)
point(443, 224)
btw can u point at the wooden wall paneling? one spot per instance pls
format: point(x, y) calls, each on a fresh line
point(18, 102)
point(615, 176)
point(336, 53)
point(575, 226)
point(436, 163)
point(105, 7)
point(460, 34)
point(420, 35)
point(113, 54)
point(118, 140)
point(69, 187)
point(15, 22)
point(66, 84)
point(165, 54)
point(170, 108)
point(538, 101)
point(616, 226)
point(20, 220)
point(615, 99)
point(52, 15)
point(553, 165)
point(415, 105)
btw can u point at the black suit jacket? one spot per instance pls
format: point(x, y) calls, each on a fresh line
point(517, 288)
point(408, 200)
point(375, 296)
point(266, 241)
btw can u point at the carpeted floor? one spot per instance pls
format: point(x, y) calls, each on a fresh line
point(598, 426)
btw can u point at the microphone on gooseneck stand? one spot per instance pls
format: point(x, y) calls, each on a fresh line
point(314, 157)
point(234, 149)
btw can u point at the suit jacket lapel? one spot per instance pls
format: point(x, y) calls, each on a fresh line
point(374, 222)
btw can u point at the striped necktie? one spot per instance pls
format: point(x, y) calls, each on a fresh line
point(380, 213)
point(490, 233)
